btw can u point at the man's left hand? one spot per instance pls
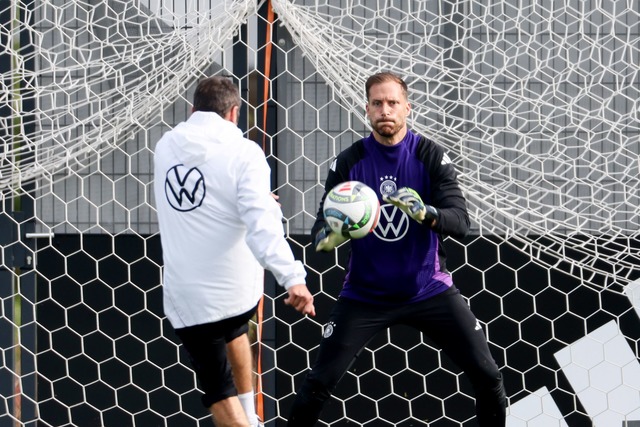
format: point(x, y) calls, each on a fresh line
point(410, 202)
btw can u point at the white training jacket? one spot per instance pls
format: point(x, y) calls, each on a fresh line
point(219, 225)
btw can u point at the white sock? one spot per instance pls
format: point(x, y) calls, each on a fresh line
point(248, 404)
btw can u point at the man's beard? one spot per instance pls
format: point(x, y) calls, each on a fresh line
point(387, 130)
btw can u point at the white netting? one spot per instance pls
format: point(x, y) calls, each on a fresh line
point(98, 73)
point(537, 104)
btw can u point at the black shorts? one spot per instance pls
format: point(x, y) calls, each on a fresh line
point(206, 346)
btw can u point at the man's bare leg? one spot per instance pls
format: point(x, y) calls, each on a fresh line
point(241, 360)
point(239, 354)
point(228, 413)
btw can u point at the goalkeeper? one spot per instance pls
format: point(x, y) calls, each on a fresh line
point(398, 275)
point(219, 228)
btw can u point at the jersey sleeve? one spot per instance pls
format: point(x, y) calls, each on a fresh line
point(262, 217)
point(445, 192)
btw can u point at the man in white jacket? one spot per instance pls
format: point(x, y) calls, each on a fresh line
point(220, 227)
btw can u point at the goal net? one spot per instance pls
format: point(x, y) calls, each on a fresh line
point(536, 104)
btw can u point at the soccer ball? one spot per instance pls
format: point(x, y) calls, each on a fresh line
point(352, 208)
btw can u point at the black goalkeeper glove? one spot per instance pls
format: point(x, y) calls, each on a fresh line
point(409, 201)
point(327, 239)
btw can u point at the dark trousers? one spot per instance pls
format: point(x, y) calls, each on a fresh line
point(446, 319)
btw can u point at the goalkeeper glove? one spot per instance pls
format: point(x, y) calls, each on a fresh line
point(409, 201)
point(327, 239)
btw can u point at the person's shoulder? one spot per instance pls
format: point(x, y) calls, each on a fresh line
point(427, 147)
point(423, 140)
point(250, 147)
point(165, 140)
point(243, 151)
point(354, 151)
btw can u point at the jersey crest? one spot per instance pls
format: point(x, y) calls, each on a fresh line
point(388, 185)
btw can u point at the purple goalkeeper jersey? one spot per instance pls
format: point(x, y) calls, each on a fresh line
point(401, 261)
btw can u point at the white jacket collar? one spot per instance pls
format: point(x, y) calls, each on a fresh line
point(194, 139)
